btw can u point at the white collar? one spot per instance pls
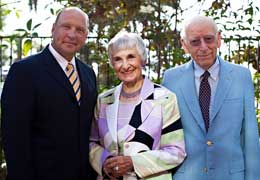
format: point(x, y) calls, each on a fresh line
point(213, 70)
point(60, 59)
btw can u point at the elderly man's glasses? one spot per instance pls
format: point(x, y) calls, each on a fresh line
point(208, 39)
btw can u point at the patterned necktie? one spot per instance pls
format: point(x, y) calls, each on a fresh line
point(204, 98)
point(74, 80)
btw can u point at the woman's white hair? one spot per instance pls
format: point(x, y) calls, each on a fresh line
point(127, 40)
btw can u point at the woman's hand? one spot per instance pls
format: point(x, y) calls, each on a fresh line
point(118, 166)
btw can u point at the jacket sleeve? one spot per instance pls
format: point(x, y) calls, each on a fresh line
point(171, 151)
point(17, 103)
point(98, 153)
point(250, 136)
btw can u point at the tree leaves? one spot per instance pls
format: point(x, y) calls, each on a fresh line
point(27, 45)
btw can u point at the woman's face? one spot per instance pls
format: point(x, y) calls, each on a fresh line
point(127, 64)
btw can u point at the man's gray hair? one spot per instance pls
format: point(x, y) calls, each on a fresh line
point(197, 20)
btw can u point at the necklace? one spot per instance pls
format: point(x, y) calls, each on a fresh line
point(130, 95)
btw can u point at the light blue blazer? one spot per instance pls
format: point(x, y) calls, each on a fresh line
point(230, 150)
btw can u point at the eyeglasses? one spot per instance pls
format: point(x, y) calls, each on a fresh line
point(208, 39)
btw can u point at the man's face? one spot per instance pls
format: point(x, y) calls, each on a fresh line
point(69, 33)
point(201, 43)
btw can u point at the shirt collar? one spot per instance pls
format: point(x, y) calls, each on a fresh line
point(60, 59)
point(213, 70)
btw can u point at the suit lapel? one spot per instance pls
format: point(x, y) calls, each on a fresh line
point(54, 69)
point(147, 97)
point(112, 113)
point(223, 86)
point(189, 93)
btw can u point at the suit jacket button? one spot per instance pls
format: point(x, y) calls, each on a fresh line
point(209, 143)
point(205, 170)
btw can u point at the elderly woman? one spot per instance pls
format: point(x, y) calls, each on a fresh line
point(137, 132)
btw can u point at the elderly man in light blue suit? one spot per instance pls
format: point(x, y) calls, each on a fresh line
point(219, 121)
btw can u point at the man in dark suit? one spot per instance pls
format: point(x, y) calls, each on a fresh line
point(45, 116)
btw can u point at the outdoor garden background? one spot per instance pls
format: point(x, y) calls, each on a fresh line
point(157, 21)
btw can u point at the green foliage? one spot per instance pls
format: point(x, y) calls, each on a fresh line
point(244, 19)
point(3, 13)
point(27, 34)
point(155, 21)
point(27, 45)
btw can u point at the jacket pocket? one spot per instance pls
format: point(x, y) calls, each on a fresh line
point(237, 166)
point(233, 100)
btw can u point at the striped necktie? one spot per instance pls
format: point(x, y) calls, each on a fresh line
point(74, 80)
